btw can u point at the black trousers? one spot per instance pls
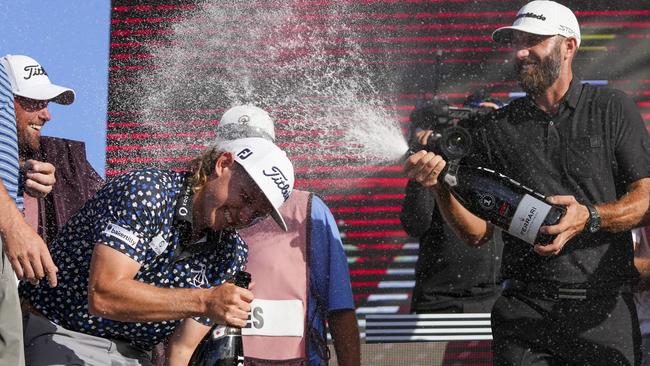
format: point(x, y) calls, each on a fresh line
point(537, 331)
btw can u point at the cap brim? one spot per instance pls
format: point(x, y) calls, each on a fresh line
point(51, 92)
point(275, 214)
point(504, 34)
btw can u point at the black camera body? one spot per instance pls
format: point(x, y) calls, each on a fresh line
point(449, 140)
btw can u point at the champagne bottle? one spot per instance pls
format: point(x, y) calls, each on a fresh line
point(502, 201)
point(222, 346)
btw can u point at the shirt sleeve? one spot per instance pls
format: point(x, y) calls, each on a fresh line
point(633, 141)
point(133, 217)
point(328, 262)
point(417, 209)
point(8, 141)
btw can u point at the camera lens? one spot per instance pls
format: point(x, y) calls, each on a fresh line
point(455, 143)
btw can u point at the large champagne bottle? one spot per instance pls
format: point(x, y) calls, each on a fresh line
point(502, 201)
point(222, 346)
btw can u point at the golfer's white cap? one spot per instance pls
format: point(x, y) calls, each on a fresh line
point(541, 17)
point(268, 166)
point(29, 79)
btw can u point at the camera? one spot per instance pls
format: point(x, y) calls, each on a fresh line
point(448, 139)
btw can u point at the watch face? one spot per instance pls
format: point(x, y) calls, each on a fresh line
point(593, 224)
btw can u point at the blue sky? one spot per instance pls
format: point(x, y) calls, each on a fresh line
point(70, 39)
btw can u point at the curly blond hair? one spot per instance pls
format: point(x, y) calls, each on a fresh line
point(203, 166)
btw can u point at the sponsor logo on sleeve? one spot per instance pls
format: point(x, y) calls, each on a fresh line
point(158, 244)
point(122, 234)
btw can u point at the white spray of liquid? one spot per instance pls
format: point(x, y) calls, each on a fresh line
point(326, 94)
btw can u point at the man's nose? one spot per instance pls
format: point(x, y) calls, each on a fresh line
point(44, 114)
point(521, 52)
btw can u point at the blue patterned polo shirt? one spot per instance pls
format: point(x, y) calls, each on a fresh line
point(134, 214)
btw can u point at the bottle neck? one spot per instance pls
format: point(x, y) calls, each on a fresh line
point(232, 331)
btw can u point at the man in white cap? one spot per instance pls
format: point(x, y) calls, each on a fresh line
point(301, 276)
point(152, 248)
point(586, 148)
point(23, 92)
point(32, 92)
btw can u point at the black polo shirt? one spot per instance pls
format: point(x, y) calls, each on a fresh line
point(593, 148)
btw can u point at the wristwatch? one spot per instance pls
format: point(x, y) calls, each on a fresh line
point(593, 223)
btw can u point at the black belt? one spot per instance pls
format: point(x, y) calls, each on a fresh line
point(565, 292)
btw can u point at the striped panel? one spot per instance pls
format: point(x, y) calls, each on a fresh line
point(427, 328)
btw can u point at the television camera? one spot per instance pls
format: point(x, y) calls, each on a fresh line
point(448, 139)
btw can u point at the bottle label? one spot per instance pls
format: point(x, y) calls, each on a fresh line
point(219, 331)
point(528, 218)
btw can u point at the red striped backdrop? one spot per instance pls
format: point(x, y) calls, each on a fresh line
point(405, 41)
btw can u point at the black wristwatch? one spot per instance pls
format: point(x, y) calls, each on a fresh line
point(593, 223)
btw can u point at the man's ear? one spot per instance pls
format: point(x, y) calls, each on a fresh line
point(571, 47)
point(224, 162)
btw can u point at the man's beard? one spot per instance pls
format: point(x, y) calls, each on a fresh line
point(544, 73)
point(29, 150)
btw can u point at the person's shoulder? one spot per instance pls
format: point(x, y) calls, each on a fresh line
point(318, 206)
point(516, 106)
point(149, 177)
point(317, 200)
point(604, 95)
point(511, 110)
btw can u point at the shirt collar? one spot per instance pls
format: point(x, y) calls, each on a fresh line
point(572, 95)
point(570, 98)
point(184, 219)
point(184, 204)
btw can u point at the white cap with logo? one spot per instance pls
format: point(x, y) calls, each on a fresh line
point(542, 17)
point(268, 166)
point(246, 121)
point(29, 79)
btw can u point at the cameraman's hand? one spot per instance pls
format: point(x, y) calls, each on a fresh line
point(489, 105)
point(422, 136)
point(424, 167)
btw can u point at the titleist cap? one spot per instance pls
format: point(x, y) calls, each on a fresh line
point(29, 79)
point(268, 166)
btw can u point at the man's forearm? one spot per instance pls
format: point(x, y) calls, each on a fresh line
point(133, 301)
point(470, 228)
point(630, 211)
point(417, 209)
point(183, 342)
point(345, 336)
point(10, 214)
